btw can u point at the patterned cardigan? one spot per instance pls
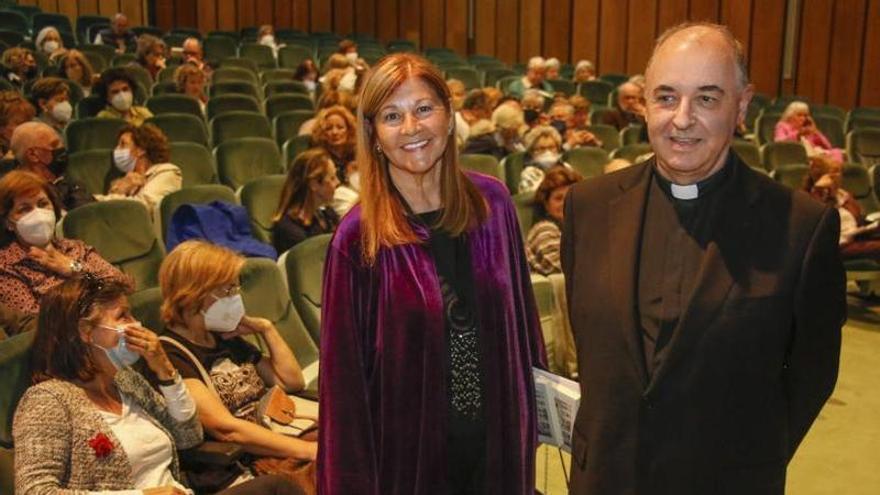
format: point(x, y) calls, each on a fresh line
point(55, 421)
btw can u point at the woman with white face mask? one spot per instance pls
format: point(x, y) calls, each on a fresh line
point(142, 155)
point(116, 88)
point(32, 259)
point(266, 37)
point(50, 43)
point(544, 151)
point(204, 315)
point(51, 97)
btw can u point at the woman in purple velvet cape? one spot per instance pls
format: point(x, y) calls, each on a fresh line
point(385, 390)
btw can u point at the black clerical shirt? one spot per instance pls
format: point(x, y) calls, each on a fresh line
point(675, 235)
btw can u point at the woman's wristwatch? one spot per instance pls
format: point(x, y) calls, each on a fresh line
point(171, 381)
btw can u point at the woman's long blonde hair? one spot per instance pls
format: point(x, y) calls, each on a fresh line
point(383, 216)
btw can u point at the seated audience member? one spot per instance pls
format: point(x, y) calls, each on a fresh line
point(116, 88)
point(349, 49)
point(551, 69)
point(543, 152)
point(14, 111)
point(797, 125)
point(190, 81)
point(194, 54)
point(858, 238)
point(629, 109)
point(534, 78)
point(458, 93)
point(584, 71)
point(38, 149)
point(542, 241)
point(266, 37)
point(32, 259)
point(142, 154)
point(334, 132)
point(51, 98)
point(118, 35)
point(307, 73)
point(493, 97)
point(303, 209)
point(151, 55)
point(533, 108)
point(14, 322)
point(562, 118)
point(203, 312)
point(615, 165)
point(50, 43)
point(74, 66)
point(505, 135)
point(581, 118)
point(20, 66)
point(348, 193)
point(337, 61)
point(476, 107)
point(328, 99)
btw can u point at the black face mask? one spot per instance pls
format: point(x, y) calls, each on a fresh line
point(559, 125)
point(530, 115)
point(58, 165)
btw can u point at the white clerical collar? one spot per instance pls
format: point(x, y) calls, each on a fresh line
point(690, 191)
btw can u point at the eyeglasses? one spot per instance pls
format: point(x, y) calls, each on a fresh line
point(227, 291)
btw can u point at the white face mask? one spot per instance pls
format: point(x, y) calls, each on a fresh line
point(347, 82)
point(352, 56)
point(62, 112)
point(37, 227)
point(225, 314)
point(50, 46)
point(122, 101)
point(124, 160)
point(310, 85)
point(120, 355)
point(547, 159)
point(267, 40)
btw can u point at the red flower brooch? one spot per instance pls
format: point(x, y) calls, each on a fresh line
point(102, 445)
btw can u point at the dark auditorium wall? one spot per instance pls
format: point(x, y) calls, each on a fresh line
point(837, 49)
point(136, 10)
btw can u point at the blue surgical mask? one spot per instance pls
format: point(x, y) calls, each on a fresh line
point(120, 355)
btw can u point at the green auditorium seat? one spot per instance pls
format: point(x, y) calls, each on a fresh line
point(218, 105)
point(829, 110)
point(513, 165)
point(93, 168)
point(83, 23)
point(470, 77)
point(260, 197)
point(167, 74)
point(791, 174)
point(504, 83)
point(174, 103)
point(122, 232)
point(596, 91)
point(832, 127)
point(141, 76)
point(608, 134)
point(857, 181)
point(563, 86)
point(283, 75)
point(199, 195)
point(15, 378)
point(484, 164)
point(293, 147)
point(164, 88)
point(92, 133)
point(287, 124)
point(863, 146)
point(587, 160)
point(304, 266)
point(631, 134)
point(241, 160)
point(218, 48)
point(261, 54)
point(196, 163)
point(233, 125)
point(227, 74)
point(14, 21)
point(492, 76)
point(597, 114)
point(748, 153)
point(525, 211)
point(145, 307)
point(780, 153)
point(89, 107)
point(272, 88)
point(123, 60)
point(277, 104)
point(181, 127)
point(235, 88)
point(765, 125)
point(613, 79)
point(262, 288)
point(244, 63)
point(854, 122)
point(291, 56)
point(632, 152)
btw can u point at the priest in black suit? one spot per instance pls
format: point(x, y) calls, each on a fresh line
point(706, 300)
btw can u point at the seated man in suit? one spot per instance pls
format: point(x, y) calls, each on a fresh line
point(706, 300)
point(630, 109)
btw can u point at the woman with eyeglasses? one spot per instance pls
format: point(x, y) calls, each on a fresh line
point(206, 321)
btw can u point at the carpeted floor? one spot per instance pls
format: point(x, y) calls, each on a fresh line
point(841, 453)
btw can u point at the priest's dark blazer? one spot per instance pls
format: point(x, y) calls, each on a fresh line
point(750, 364)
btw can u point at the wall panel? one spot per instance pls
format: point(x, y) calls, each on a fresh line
point(846, 47)
point(557, 29)
point(507, 31)
point(264, 13)
point(484, 26)
point(321, 15)
point(585, 30)
point(283, 12)
point(226, 16)
point(409, 20)
point(737, 15)
point(87, 7)
point(640, 34)
point(185, 12)
point(386, 20)
point(672, 12)
point(433, 22)
point(529, 28)
point(343, 16)
point(110, 7)
point(456, 25)
point(207, 15)
point(766, 46)
point(365, 17)
point(814, 49)
point(613, 35)
point(301, 14)
point(869, 94)
point(704, 10)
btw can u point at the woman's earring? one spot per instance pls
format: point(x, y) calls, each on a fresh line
point(378, 148)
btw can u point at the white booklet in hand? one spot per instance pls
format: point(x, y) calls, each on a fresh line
point(557, 400)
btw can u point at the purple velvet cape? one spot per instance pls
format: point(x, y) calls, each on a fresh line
point(383, 357)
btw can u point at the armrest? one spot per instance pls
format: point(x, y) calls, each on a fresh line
point(212, 453)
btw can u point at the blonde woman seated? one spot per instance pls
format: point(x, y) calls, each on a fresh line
point(304, 208)
point(50, 43)
point(204, 315)
point(142, 154)
point(796, 124)
point(190, 81)
point(75, 67)
point(542, 242)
